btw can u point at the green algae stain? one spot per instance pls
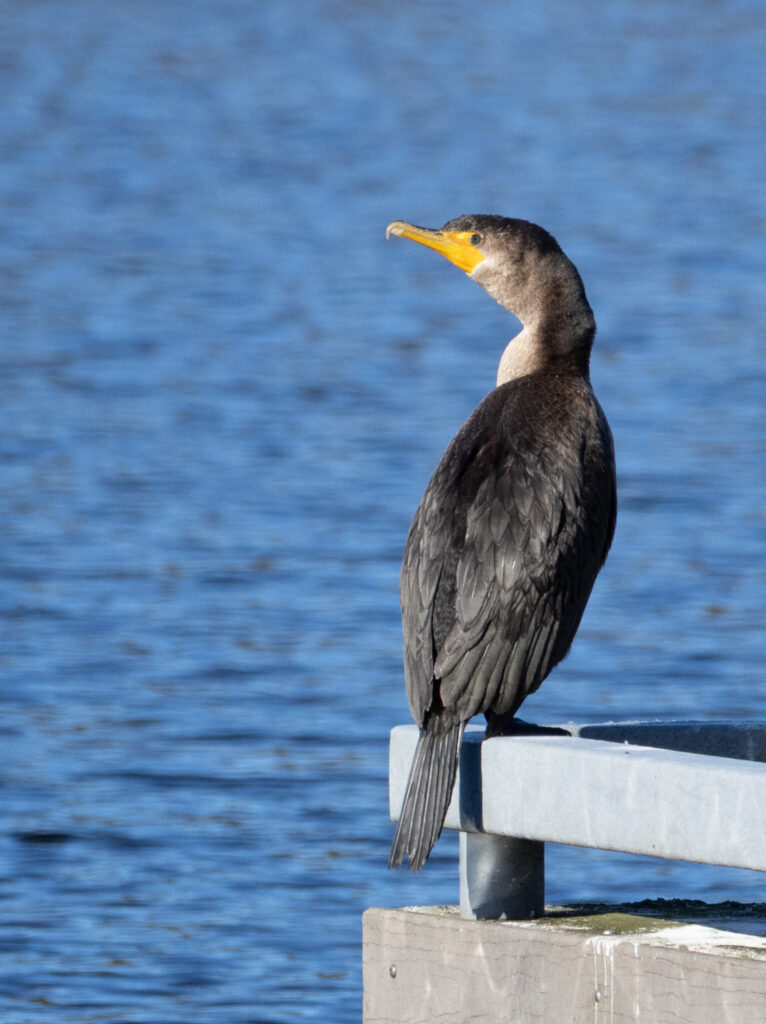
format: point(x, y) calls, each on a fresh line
point(613, 922)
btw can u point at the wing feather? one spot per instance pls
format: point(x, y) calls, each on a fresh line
point(501, 557)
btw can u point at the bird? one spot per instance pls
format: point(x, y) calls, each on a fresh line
point(516, 521)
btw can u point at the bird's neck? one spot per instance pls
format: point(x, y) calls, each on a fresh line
point(557, 322)
point(537, 347)
point(521, 356)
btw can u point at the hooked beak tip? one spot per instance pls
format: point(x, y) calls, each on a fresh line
point(396, 227)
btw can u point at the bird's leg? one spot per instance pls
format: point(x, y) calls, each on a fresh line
point(509, 725)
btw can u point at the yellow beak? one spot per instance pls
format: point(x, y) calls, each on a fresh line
point(455, 245)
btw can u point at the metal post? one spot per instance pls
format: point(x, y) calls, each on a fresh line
point(501, 877)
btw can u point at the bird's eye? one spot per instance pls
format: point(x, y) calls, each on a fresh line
point(475, 239)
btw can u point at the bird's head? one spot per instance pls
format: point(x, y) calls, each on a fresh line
point(518, 263)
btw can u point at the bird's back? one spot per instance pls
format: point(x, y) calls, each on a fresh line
point(505, 547)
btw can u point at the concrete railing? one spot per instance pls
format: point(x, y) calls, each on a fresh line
point(686, 791)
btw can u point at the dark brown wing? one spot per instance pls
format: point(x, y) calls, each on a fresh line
point(505, 547)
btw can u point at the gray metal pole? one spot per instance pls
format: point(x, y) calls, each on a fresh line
point(501, 877)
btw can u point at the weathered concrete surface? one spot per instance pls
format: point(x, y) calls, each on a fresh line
point(424, 965)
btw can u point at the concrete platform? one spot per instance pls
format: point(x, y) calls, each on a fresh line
point(658, 962)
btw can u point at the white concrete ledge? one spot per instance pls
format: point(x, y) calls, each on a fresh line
point(584, 966)
point(612, 795)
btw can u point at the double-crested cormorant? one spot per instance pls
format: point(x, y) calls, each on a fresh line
point(516, 521)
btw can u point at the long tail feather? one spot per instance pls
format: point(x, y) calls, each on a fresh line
point(429, 791)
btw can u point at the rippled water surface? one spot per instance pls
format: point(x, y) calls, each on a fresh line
point(222, 395)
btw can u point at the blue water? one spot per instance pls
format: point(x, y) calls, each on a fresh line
point(222, 395)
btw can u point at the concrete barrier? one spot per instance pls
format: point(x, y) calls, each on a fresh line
point(424, 965)
point(688, 791)
point(632, 787)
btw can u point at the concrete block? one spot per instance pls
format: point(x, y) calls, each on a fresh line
point(427, 964)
